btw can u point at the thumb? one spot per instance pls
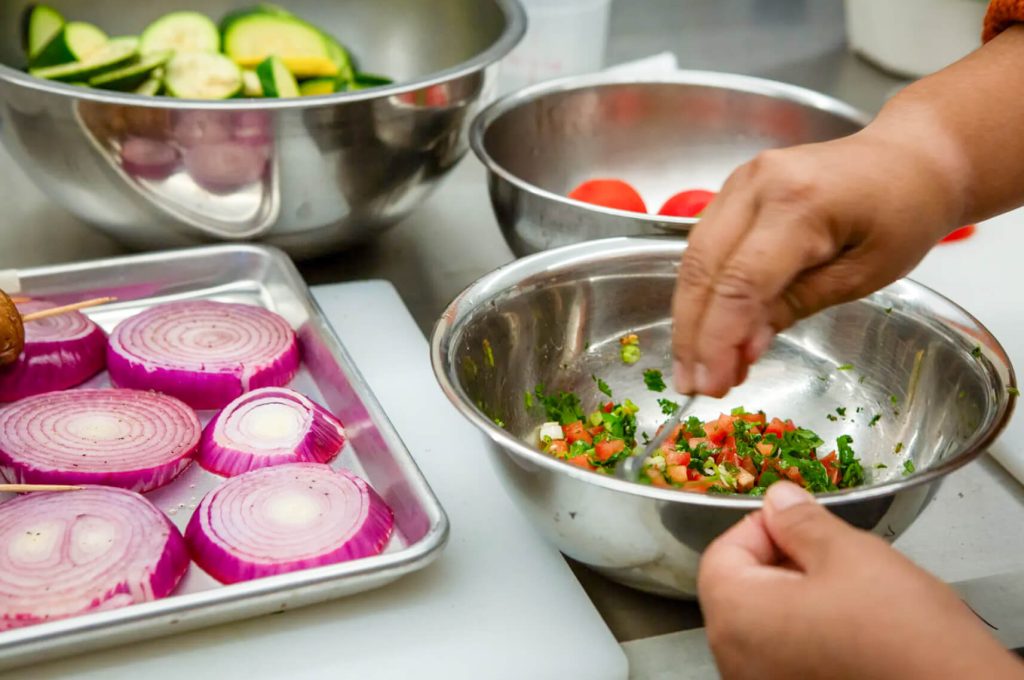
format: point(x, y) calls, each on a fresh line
point(804, 531)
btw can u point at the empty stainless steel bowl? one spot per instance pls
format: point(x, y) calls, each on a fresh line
point(937, 380)
point(308, 175)
point(688, 131)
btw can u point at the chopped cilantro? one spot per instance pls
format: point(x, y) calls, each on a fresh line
point(563, 408)
point(851, 472)
point(1013, 391)
point(880, 466)
point(845, 367)
point(832, 417)
point(860, 409)
point(695, 427)
point(961, 394)
point(841, 411)
point(668, 407)
point(498, 421)
point(862, 379)
point(654, 380)
point(908, 467)
point(976, 352)
point(528, 400)
point(888, 310)
point(738, 411)
point(894, 399)
point(899, 447)
point(602, 386)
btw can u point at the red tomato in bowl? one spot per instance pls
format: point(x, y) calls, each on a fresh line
point(687, 203)
point(609, 193)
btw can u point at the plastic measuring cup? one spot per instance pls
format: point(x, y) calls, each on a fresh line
point(563, 38)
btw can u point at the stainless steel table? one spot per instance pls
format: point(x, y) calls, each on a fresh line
point(453, 239)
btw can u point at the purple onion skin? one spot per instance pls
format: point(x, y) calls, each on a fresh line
point(165, 575)
point(321, 444)
point(47, 366)
point(148, 158)
point(228, 568)
point(205, 391)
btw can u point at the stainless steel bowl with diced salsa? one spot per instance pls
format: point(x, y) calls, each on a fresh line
point(562, 360)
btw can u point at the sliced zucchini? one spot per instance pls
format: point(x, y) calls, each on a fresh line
point(75, 41)
point(181, 32)
point(132, 76)
point(39, 25)
point(251, 86)
point(364, 81)
point(202, 75)
point(318, 86)
point(276, 79)
point(340, 56)
point(105, 59)
point(153, 86)
point(251, 39)
point(129, 40)
point(261, 8)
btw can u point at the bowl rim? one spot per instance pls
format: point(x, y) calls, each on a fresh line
point(491, 285)
point(714, 79)
point(511, 35)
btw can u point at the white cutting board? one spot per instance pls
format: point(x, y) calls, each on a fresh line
point(499, 603)
point(985, 275)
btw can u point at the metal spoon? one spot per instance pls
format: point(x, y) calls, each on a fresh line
point(631, 468)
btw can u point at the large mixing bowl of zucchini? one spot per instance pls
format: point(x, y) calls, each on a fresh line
point(309, 125)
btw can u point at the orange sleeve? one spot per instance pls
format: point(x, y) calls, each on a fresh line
point(1001, 15)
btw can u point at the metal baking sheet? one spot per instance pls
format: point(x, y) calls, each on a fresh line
point(266, 277)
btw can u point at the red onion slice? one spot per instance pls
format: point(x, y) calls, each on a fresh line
point(126, 438)
point(280, 519)
point(226, 166)
point(60, 352)
point(204, 353)
point(269, 426)
point(148, 158)
point(73, 552)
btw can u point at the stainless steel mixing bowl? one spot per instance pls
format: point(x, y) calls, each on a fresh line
point(309, 175)
point(688, 131)
point(556, 318)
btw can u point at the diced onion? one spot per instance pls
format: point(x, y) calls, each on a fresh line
point(203, 352)
point(285, 518)
point(60, 352)
point(269, 426)
point(67, 553)
point(125, 438)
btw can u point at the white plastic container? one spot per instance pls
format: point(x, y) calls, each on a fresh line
point(563, 38)
point(914, 37)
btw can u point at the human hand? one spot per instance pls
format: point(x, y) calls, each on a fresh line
point(797, 230)
point(794, 592)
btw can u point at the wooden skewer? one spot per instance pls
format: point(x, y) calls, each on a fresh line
point(25, 488)
point(63, 309)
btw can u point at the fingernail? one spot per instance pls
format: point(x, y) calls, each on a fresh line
point(762, 340)
point(702, 377)
point(783, 495)
point(680, 378)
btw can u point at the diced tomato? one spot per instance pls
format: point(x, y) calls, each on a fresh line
point(700, 486)
point(829, 459)
point(776, 427)
point(728, 457)
point(657, 479)
point(753, 418)
point(609, 407)
point(747, 464)
point(694, 475)
point(678, 474)
point(764, 448)
point(558, 447)
point(794, 475)
point(717, 431)
point(678, 458)
point(609, 193)
point(581, 461)
point(594, 431)
point(689, 203)
point(729, 443)
point(694, 442)
point(575, 432)
point(788, 426)
point(676, 433)
point(607, 448)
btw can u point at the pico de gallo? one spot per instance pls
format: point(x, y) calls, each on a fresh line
point(740, 452)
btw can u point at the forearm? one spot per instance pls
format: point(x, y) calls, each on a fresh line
point(968, 119)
